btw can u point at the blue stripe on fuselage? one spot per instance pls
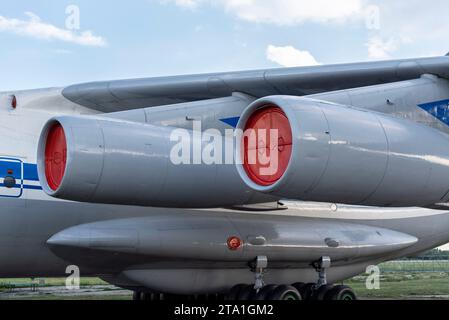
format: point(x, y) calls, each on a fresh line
point(29, 170)
point(29, 173)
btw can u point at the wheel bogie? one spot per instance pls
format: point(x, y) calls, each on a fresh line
point(270, 292)
point(285, 292)
point(341, 293)
point(265, 292)
point(247, 293)
point(320, 293)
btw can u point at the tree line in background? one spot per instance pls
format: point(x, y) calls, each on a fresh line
point(434, 254)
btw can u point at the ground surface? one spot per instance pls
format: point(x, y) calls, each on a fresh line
point(399, 280)
point(405, 286)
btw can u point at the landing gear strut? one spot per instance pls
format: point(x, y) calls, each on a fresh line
point(321, 267)
point(258, 267)
point(321, 290)
point(259, 290)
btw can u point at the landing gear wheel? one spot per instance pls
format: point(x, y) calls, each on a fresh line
point(146, 296)
point(320, 293)
point(156, 297)
point(298, 285)
point(247, 293)
point(343, 293)
point(306, 291)
point(284, 292)
point(265, 292)
point(234, 292)
point(137, 296)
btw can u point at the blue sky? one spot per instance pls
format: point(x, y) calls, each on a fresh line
point(143, 38)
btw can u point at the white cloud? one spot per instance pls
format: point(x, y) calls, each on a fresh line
point(289, 56)
point(410, 28)
point(379, 48)
point(394, 29)
point(283, 12)
point(290, 12)
point(36, 28)
point(189, 4)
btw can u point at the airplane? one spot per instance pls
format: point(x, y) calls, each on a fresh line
point(254, 185)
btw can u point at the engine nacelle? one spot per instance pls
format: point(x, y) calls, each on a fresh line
point(105, 160)
point(334, 153)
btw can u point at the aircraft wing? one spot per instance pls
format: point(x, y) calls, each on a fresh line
point(110, 96)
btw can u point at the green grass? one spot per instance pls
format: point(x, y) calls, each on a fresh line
point(402, 285)
point(49, 282)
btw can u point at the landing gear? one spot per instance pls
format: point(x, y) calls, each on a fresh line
point(318, 291)
point(258, 266)
point(341, 292)
point(151, 296)
point(265, 292)
point(147, 296)
point(234, 293)
point(137, 295)
point(321, 290)
point(260, 291)
point(321, 267)
point(247, 293)
point(284, 292)
point(270, 292)
point(305, 289)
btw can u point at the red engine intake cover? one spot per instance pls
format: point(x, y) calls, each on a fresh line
point(268, 118)
point(55, 156)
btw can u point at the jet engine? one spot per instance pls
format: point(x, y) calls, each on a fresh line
point(299, 148)
point(114, 161)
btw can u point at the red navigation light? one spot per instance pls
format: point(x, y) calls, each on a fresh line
point(234, 243)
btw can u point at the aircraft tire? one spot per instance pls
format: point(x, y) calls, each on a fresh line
point(146, 296)
point(265, 292)
point(234, 292)
point(137, 295)
point(285, 292)
point(247, 293)
point(157, 297)
point(306, 291)
point(298, 285)
point(342, 293)
point(320, 294)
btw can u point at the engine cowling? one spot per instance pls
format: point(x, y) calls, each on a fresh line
point(106, 160)
point(334, 153)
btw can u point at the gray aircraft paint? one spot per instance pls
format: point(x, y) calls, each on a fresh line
point(400, 99)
